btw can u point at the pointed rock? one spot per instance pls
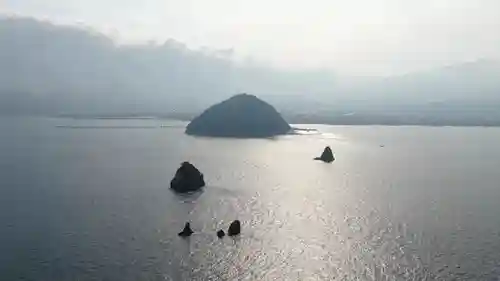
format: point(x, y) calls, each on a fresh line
point(187, 179)
point(326, 156)
point(187, 231)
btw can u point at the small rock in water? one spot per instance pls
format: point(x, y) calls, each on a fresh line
point(187, 231)
point(234, 228)
point(187, 179)
point(221, 233)
point(326, 156)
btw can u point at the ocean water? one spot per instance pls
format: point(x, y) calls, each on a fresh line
point(90, 200)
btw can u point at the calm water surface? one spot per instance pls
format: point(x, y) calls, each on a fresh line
point(90, 200)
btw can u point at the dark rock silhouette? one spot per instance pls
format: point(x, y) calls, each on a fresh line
point(234, 228)
point(241, 116)
point(326, 156)
point(187, 179)
point(187, 231)
point(221, 233)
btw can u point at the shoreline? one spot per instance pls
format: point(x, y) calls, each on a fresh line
point(375, 121)
point(319, 121)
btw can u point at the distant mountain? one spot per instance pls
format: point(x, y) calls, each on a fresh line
point(74, 69)
point(465, 94)
point(478, 80)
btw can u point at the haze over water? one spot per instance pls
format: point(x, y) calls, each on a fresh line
point(90, 200)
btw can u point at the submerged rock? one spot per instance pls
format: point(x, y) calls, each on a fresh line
point(234, 228)
point(241, 116)
point(326, 156)
point(221, 233)
point(187, 179)
point(187, 231)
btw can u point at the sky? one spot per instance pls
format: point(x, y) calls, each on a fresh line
point(362, 37)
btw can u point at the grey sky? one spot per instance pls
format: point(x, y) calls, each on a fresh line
point(355, 36)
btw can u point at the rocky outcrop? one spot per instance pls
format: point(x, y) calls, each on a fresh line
point(241, 116)
point(187, 231)
point(187, 179)
point(326, 156)
point(234, 228)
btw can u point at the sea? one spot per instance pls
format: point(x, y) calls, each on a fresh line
point(89, 199)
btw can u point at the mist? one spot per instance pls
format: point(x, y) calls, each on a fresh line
point(55, 69)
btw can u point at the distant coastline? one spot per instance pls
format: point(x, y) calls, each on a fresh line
point(359, 119)
point(106, 117)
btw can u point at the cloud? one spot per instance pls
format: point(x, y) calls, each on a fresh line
point(358, 36)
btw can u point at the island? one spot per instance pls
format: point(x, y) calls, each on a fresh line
point(241, 116)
